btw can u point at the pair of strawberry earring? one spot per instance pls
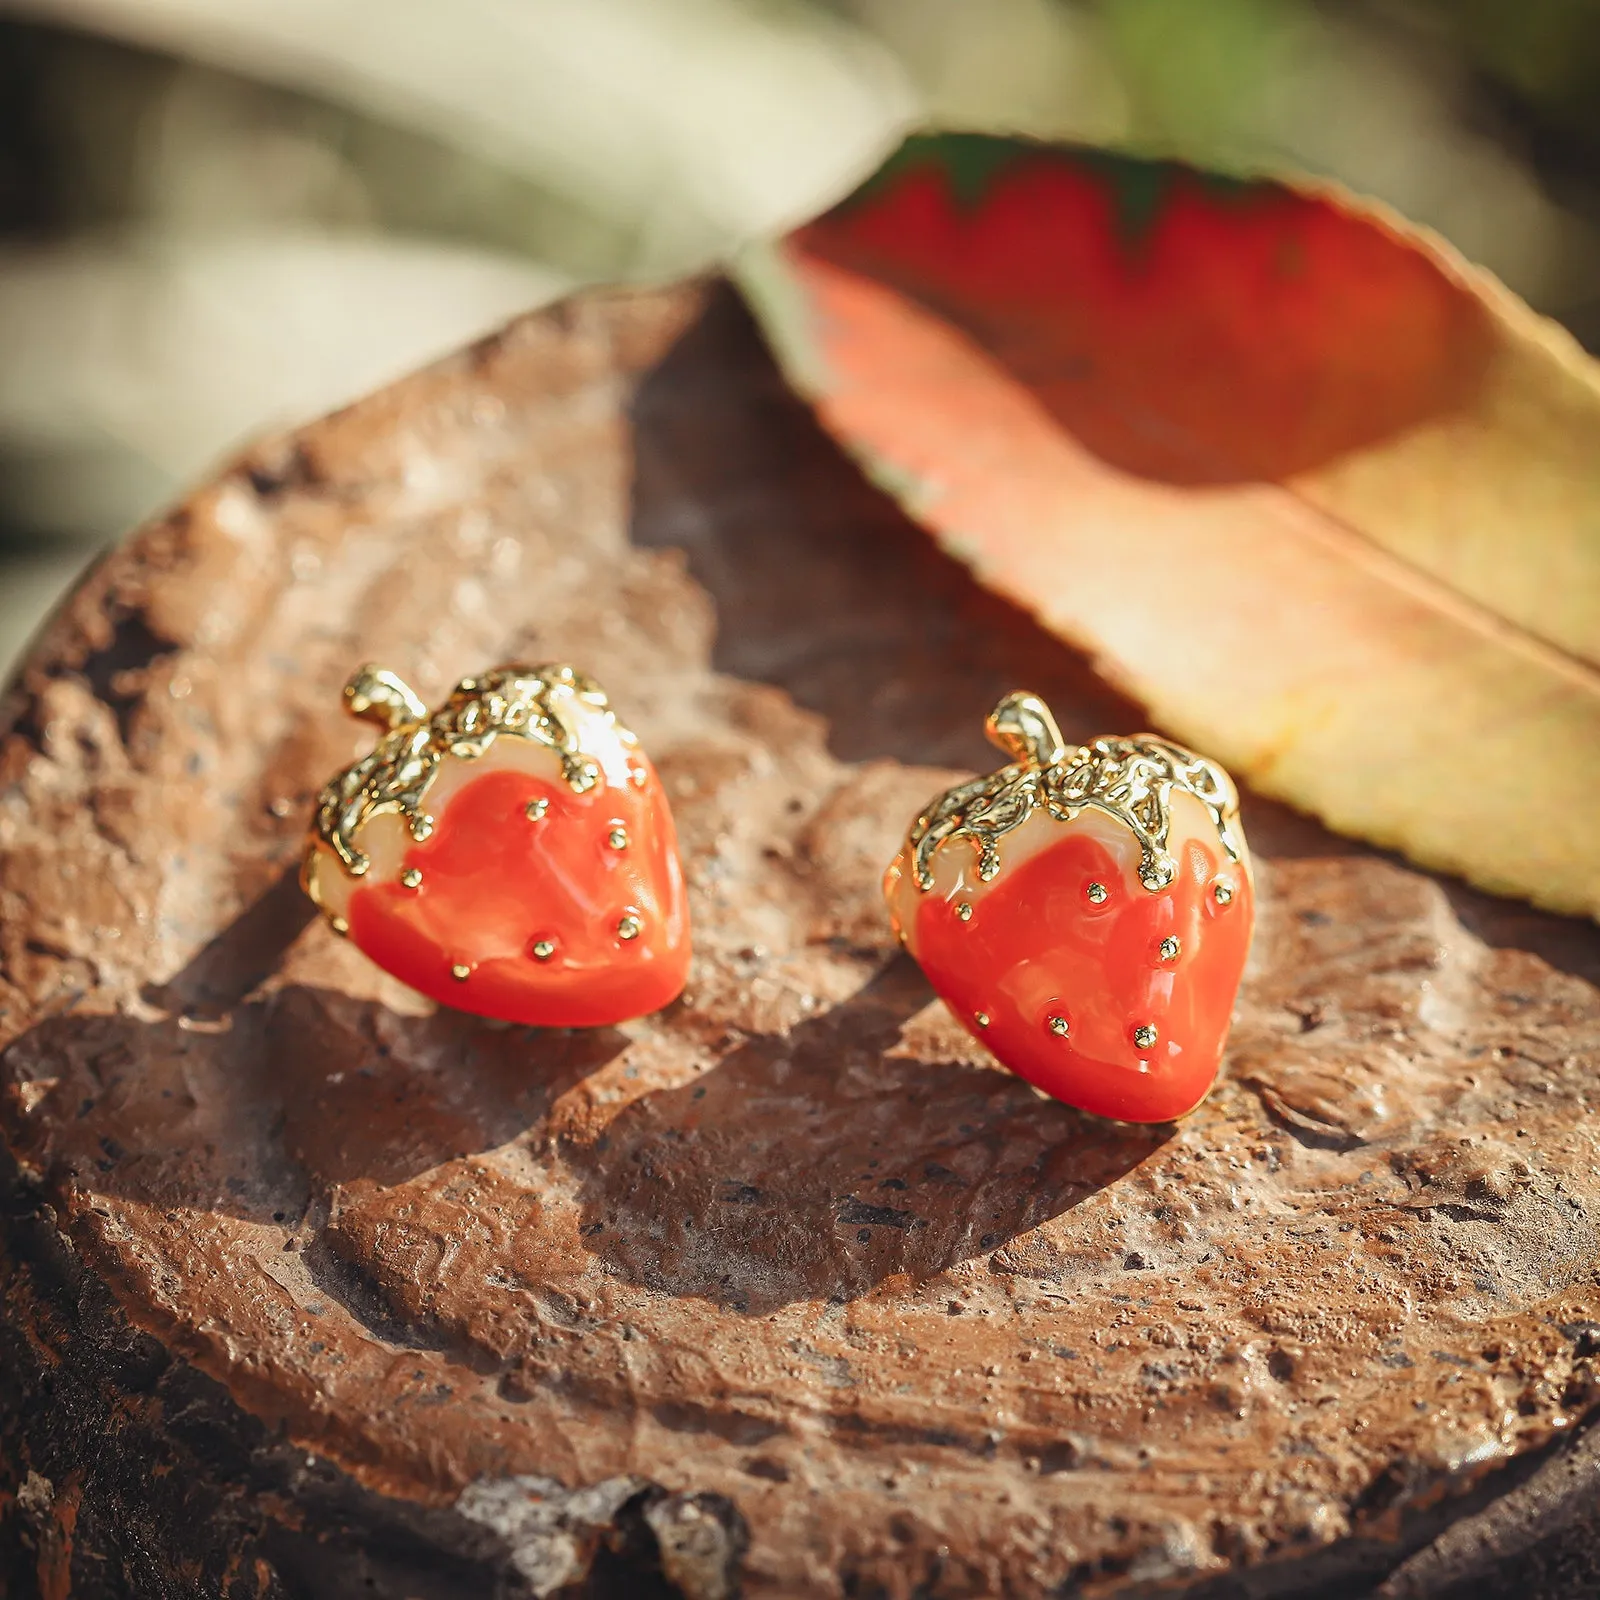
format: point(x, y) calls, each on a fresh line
point(1085, 910)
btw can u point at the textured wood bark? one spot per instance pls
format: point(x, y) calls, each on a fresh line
point(309, 1292)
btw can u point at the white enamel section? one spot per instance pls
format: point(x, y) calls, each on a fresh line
point(955, 863)
point(385, 838)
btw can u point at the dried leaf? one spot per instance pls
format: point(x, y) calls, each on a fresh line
point(1323, 496)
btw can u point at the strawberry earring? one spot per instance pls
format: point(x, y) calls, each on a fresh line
point(1086, 912)
point(509, 854)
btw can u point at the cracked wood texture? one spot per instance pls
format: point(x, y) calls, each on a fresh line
point(787, 1290)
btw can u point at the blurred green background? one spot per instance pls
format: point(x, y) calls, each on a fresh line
point(221, 216)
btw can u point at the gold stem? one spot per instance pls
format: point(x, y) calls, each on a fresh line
point(377, 695)
point(1023, 727)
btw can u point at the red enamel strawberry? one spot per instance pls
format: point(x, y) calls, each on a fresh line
point(511, 854)
point(1085, 912)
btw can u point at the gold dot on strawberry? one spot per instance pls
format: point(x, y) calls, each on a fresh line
point(512, 855)
point(1094, 905)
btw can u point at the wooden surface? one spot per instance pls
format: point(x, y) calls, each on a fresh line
point(309, 1292)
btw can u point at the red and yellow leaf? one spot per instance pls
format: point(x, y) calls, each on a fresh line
point(1322, 496)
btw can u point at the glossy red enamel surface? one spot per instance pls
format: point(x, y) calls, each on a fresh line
point(496, 883)
point(1038, 947)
